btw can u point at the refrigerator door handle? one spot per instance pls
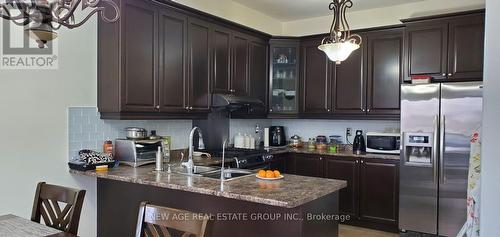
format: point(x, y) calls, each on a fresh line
point(441, 149)
point(435, 148)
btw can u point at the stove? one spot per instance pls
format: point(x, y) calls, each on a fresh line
point(246, 159)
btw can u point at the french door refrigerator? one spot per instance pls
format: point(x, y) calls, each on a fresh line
point(437, 122)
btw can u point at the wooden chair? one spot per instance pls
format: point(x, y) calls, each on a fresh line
point(46, 205)
point(156, 221)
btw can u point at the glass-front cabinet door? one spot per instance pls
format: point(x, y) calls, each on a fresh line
point(284, 77)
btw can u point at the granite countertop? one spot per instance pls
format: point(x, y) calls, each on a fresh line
point(290, 192)
point(342, 152)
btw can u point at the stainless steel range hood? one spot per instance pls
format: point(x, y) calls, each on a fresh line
point(232, 102)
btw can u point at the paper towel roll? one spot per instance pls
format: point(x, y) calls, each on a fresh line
point(266, 137)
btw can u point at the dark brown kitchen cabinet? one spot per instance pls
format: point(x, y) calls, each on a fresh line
point(384, 71)
point(199, 66)
point(161, 70)
point(240, 63)
point(139, 29)
point(446, 49)
point(308, 165)
point(345, 168)
point(222, 59)
point(173, 70)
point(466, 48)
point(349, 85)
point(257, 70)
point(427, 48)
point(379, 191)
point(316, 78)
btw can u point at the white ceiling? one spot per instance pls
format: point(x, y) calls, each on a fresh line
point(290, 10)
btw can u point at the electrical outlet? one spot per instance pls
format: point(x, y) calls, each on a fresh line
point(348, 132)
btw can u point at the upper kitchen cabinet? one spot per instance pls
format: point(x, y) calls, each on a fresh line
point(448, 48)
point(173, 53)
point(238, 60)
point(466, 48)
point(349, 86)
point(284, 74)
point(384, 67)
point(257, 70)
point(221, 37)
point(316, 78)
point(199, 64)
point(162, 61)
point(139, 35)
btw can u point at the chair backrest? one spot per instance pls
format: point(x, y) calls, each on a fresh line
point(156, 221)
point(47, 206)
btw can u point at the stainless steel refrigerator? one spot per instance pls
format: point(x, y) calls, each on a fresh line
point(437, 122)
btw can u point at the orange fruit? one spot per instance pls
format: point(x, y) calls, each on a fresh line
point(277, 174)
point(262, 173)
point(269, 174)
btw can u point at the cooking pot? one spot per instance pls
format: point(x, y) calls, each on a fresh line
point(136, 133)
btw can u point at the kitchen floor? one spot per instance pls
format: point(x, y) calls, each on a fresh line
point(351, 231)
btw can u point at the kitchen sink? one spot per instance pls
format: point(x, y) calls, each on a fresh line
point(198, 170)
point(229, 174)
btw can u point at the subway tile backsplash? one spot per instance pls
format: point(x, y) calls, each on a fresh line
point(307, 128)
point(87, 131)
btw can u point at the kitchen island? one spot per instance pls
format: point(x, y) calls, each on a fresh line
point(246, 206)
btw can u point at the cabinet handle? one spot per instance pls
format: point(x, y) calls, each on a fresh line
point(449, 74)
point(232, 91)
point(157, 107)
point(321, 158)
point(187, 108)
point(270, 110)
point(368, 110)
point(444, 74)
point(363, 110)
point(357, 161)
point(328, 110)
point(362, 162)
point(191, 108)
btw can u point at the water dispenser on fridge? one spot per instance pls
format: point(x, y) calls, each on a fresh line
point(418, 148)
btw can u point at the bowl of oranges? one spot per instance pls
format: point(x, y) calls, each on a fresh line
point(269, 175)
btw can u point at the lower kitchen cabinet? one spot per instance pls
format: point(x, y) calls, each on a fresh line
point(345, 169)
point(379, 191)
point(308, 165)
point(371, 197)
point(280, 163)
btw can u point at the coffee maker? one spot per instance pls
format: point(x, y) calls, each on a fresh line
point(277, 136)
point(359, 146)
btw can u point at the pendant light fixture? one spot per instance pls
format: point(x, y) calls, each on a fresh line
point(42, 18)
point(340, 43)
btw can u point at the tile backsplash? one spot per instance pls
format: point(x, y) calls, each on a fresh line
point(307, 128)
point(87, 131)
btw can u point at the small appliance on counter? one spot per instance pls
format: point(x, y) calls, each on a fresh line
point(136, 153)
point(358, 146)
point(295, 141)
point(277, 136)
point(385, 143)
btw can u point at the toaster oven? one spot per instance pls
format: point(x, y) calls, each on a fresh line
point(136, 152)
point(385, 143)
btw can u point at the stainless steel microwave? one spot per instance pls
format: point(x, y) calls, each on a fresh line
point(385, 143)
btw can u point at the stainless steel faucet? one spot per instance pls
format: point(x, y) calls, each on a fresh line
point(190, 164)
point(222, 171)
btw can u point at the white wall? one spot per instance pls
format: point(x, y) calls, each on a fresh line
point(490, 177)
point(380, 16)
point(238, 13)
point(33, 105)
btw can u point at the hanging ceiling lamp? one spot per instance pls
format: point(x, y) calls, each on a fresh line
point(42, 18)
point(340, 43)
